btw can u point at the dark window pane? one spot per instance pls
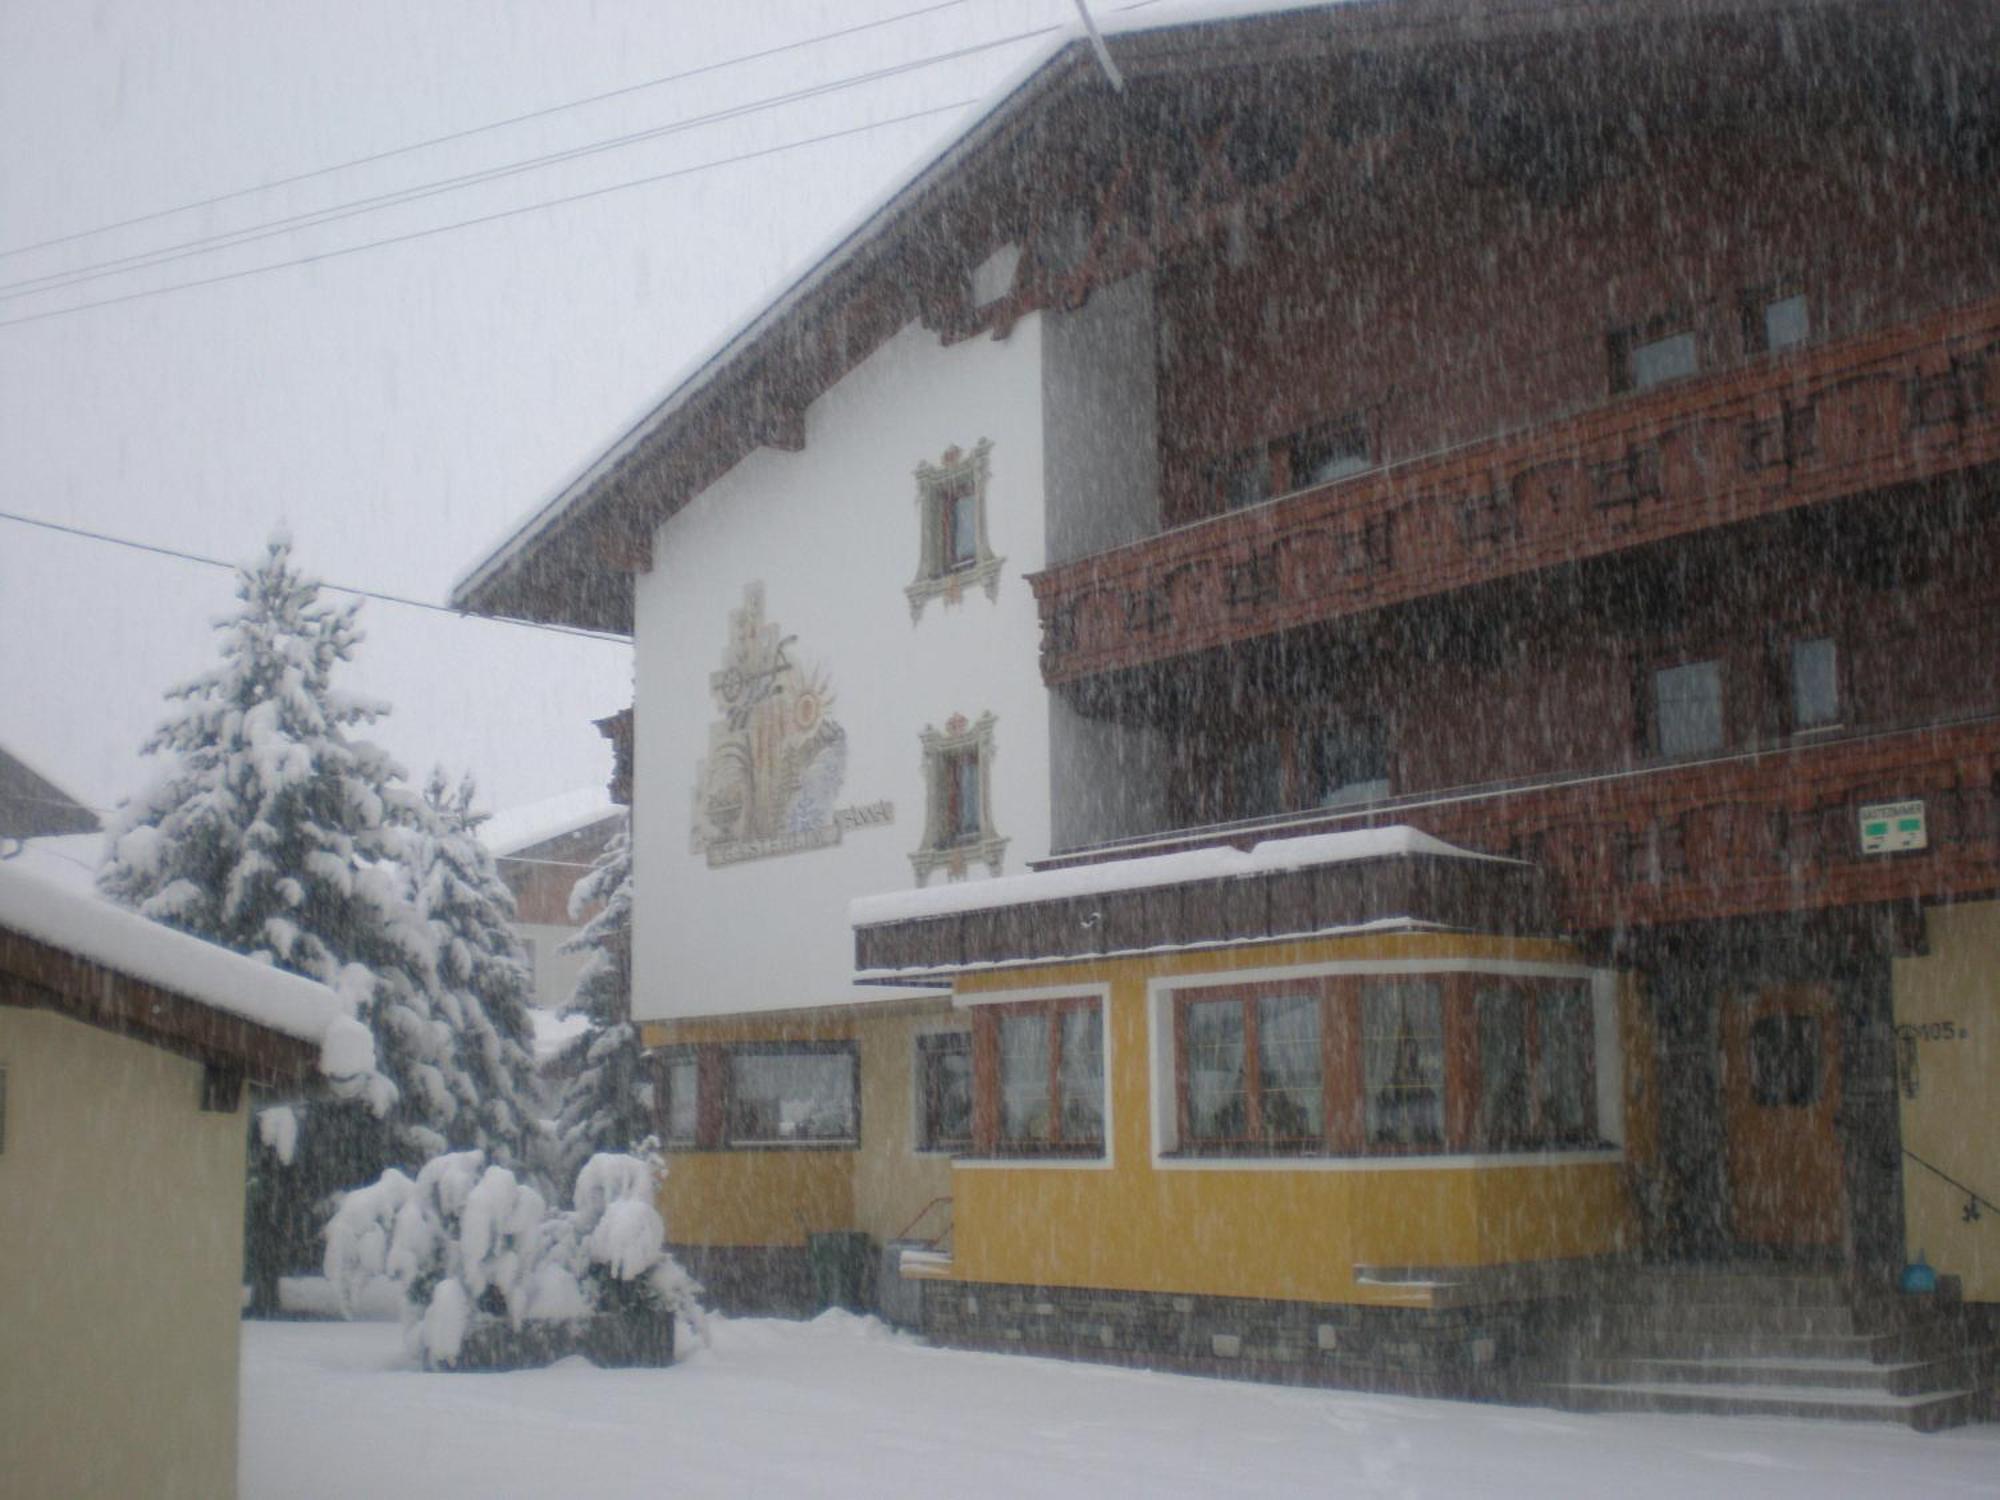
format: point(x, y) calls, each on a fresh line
point(1504, 1121)
point(1565, 1081)
point(790, 1097)
point(1257, 777)
point(1688, 708)
point(1784, 1060)
point(1288, 1067)
point(1664, 359)
point(961, 528)
point(1218, 1100)
point(1786, 322)
point(945, 1091)
point(1402, 1058)
point(682, 1103)
point(1082, 1077)
point(1024, 1078)
point(1815, 684)
point(1350, 761)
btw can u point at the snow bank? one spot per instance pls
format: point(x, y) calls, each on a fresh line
point(1185, 867)
point(144, 949)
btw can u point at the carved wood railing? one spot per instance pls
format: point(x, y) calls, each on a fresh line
point(1908, 403)
point(1757, 833)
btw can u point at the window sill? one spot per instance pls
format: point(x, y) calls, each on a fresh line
point(1560, 1156)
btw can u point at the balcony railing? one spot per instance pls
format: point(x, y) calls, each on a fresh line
point(1914, 402)
point(1755, 833)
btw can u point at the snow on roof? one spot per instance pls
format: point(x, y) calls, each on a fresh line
point(523, 827)
point(952, 142)
point(1182, 868)
point(140, 948)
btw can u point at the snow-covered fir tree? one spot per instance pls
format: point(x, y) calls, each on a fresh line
point(273, 829)
point(607, 1104)
point(484, 982)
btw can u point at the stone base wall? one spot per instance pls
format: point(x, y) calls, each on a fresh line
point(752, 1279)
point(1458, 1351)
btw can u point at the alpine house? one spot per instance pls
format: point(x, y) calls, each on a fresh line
point(1327, 704)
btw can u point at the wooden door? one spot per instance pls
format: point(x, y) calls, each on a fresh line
point(1781, 1097)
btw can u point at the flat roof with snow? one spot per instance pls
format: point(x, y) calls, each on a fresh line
point(68, 950)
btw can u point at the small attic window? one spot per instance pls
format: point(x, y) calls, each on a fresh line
point(993, 277)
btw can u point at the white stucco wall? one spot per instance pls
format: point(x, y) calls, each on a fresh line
point(832, 534)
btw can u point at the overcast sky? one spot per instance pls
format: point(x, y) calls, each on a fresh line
point(401, 407)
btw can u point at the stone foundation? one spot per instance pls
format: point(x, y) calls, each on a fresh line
point(752, 1279)
point(1455, 1351)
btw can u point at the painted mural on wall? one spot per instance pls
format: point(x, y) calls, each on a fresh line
point(777, 757)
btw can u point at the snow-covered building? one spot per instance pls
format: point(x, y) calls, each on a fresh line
point(32, 806)
point(1335, 675)
point(541, 850)
point(124, 1051)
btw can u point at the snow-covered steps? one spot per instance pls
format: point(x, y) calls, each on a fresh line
point(1757, 1341)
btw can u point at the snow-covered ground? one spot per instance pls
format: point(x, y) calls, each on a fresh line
point(841, 1406)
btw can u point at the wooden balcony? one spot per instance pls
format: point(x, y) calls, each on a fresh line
point(1911, 403)
point(1753, 834)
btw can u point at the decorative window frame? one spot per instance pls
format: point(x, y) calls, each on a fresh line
point(937, 577)
point(939, 850)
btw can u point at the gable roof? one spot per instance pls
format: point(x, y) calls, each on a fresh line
point(573, 559)
point(81, 956)
point(32, 805)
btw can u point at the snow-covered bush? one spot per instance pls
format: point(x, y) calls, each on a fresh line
point(465, 1242)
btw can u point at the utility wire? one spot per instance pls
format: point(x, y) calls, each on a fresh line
point(338, 588)
point(249, 234)
point(459, 135)
point(505, 213)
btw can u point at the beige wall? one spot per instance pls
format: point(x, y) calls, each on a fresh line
point(893, 1181)
point(121, 1234)
point(1950, 1001)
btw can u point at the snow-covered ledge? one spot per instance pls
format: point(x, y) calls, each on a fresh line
point(137, 948)
point(1347, 881)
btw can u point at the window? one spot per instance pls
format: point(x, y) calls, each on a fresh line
point(1815, 684)
point(1348, 761)
point(1786, 323)
point(1774, 319)
point(680, 1086)
point(1388, 1066)
point(958, 799)
point(1324, 454)
point(1402, 1061)
point(1040, 1075)
point(1687, 709)
point(944, 1091)
point(1653, 353)
point(1784, 1060)
point(790, 1094)
point(1253, 1070)
point(1243, 479)
point(953, 553)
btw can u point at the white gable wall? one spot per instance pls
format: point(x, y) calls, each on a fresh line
point(832, 534)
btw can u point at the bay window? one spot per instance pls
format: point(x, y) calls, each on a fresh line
point(1384, 1065)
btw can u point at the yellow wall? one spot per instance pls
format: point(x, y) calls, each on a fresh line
point(779, 1196)
point(121, 1245)
point(1263, 1231)
point(1953, 998)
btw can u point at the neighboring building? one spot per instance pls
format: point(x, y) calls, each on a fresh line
point(542, 850)
point(124, 1050)
point(32, 806)
point(1333, 691)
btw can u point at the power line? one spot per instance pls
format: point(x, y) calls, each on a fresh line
point(459, 135)
point(505, 213)
point(338, 588)
point(312, 218)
